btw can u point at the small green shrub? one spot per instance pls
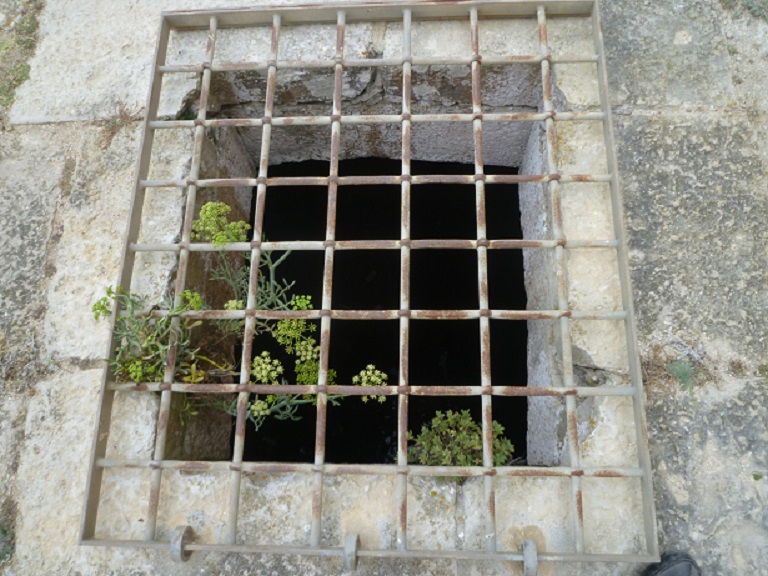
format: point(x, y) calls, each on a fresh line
point(294, 335)
point(214, 226)
point(455, 439)
point(143, 340)
point(684, 372)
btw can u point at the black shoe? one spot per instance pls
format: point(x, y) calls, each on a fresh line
point(673, 564)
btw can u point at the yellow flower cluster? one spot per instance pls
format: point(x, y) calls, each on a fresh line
point(371, 376)
point(266, 370)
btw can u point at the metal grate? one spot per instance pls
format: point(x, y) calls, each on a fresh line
point(473, 13)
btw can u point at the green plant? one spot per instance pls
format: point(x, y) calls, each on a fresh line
point(214, 225)
point(11, 80)
point(189, 404)
point(17, 46)
point(26, 31)
point(143, 338)
point(455, 439)
point(268, 370)
point(684, 372)
point(7, 544)
point(293, 335)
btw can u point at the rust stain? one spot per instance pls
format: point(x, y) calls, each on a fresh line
point(443, 390)
point(609, 474)
point(580, 507)
point(194, 466)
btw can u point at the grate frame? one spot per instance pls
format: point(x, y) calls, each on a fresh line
point(275, 17)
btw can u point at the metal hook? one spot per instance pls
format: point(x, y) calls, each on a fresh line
point(179, 538)
point(530, 558)
point(351, 544)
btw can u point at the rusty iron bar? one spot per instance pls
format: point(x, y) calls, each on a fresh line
point(181, 277)
point(352, 390)
point(405, 283)
point(322, 181)
point(489, 510)
point(616, 472)
point(308, 245)
point(370, 63)
point(633, 354)
point(562, 282)
point(325, 321)
point(250, 321)
point(395, 314)
point(375, 119)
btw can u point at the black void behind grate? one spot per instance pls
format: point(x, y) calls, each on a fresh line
point(443, 353)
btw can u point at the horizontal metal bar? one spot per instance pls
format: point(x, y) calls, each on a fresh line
point(375, 469)
point(395, 314)
point(322, 181)
point(353, 390)
point(372, 63)
point(374, 11)
point(174, 183)
point(147, 544)
point(513, 556)
point(317, 245)
point(502, 555)
point(378, 119)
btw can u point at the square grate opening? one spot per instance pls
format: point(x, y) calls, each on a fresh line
point(440, 101)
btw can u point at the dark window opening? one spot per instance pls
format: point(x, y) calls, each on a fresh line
point(441, 352)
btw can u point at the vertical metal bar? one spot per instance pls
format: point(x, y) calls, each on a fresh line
point(482, 280)
point(104, 414)
point(250, 321)
point(181, 278)
point(405, 284)
point(633, 355)
point(325, 320)
point(562, 283)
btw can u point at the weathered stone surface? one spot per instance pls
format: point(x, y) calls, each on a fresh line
point(28, 205)
point(705, 451)
point(695, 209)
point(689, 80)
point(696, 235)
point(667, 53)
